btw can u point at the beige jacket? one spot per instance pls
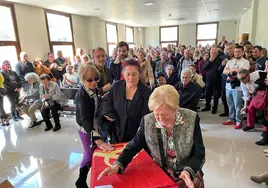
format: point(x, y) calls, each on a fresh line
point(147, 75)
point(198, 80)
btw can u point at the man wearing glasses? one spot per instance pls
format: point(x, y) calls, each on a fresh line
point(249, 83)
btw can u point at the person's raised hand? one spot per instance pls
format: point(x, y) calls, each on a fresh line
point(185, 176)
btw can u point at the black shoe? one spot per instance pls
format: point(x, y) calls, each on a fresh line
point(33, 125)
point(205, 109)
point(247, 128)
point(224, 114)
point(214, 111)
point(14, 118)
point(56, 128)
point(82, 180)
point(263, 141)
point(20, 118)
point(49, 125)
point(4, 124)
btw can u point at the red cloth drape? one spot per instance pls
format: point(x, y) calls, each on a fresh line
point(142, 172)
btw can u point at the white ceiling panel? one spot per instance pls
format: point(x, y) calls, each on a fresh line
point(163, 12)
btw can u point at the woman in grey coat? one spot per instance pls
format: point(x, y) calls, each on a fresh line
point(32, 101)
point(50, 92)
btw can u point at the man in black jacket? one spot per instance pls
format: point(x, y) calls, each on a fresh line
point(229, 54)
point(213, 80)
point(188, 91)
point(22, 68)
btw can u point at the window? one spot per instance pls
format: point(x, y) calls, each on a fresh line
point(111, 35)
point(168, 35)
point(9, 38)
point(130, 36)
point(60, 33)
point(207, 33)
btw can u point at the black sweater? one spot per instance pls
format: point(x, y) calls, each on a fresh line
point(23, 69)
point(189, 95)
point(116, 108)
point(213, 75)
point(12, 81)
point(85, 111)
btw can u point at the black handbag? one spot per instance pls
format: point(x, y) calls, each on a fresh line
point(47, 104)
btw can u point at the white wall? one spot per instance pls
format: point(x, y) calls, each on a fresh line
point(151, 36)
point(32, 31)
point(80, 32)
point(254, 22)
point(187, 34)
point(261, 36)
point(227, 29)
point(89, 32)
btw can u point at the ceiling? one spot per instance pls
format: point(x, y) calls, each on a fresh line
point(163, 12)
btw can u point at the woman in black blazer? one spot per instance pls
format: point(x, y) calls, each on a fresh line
point(86, 101)
point(127, 102)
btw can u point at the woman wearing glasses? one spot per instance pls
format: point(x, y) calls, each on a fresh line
point(86, 101)
point(127, 102)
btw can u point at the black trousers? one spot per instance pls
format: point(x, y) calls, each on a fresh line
point(223, 96)
point(213, 89)
point(55, 113)
point(13, 98)
point(3, 114)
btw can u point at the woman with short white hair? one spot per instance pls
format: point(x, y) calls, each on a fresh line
point(31, 102)
point(173, 137)
point(171, 77)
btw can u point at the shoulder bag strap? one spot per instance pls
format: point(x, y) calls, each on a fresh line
point(161, 148)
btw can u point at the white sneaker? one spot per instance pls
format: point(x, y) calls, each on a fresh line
point(265, 151)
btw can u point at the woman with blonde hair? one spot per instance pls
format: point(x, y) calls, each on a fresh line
point(173, 137)
point(147, 75)
point(40, 68)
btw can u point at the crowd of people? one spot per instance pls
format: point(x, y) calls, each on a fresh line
point(116, 94)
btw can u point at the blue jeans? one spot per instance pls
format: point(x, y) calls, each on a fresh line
point(235, 103)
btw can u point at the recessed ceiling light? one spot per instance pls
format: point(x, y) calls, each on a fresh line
point(214, 10)
point(148, 3)
point(245, 8)
point(97, 9)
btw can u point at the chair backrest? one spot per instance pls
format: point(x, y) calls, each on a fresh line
point(69, 92)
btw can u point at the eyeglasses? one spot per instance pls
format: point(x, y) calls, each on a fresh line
point(94, 79)
point(249, 52)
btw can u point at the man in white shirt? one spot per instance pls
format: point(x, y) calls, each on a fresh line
point(248, 87)
point(70, 79)
point(233, 90)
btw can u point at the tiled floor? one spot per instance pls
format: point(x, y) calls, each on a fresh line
point(38, 159)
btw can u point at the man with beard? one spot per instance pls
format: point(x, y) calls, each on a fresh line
point(233, 90)
point(122, 54)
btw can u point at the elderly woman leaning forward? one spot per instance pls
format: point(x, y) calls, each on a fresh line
point(183, 152)
point(32, 101)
